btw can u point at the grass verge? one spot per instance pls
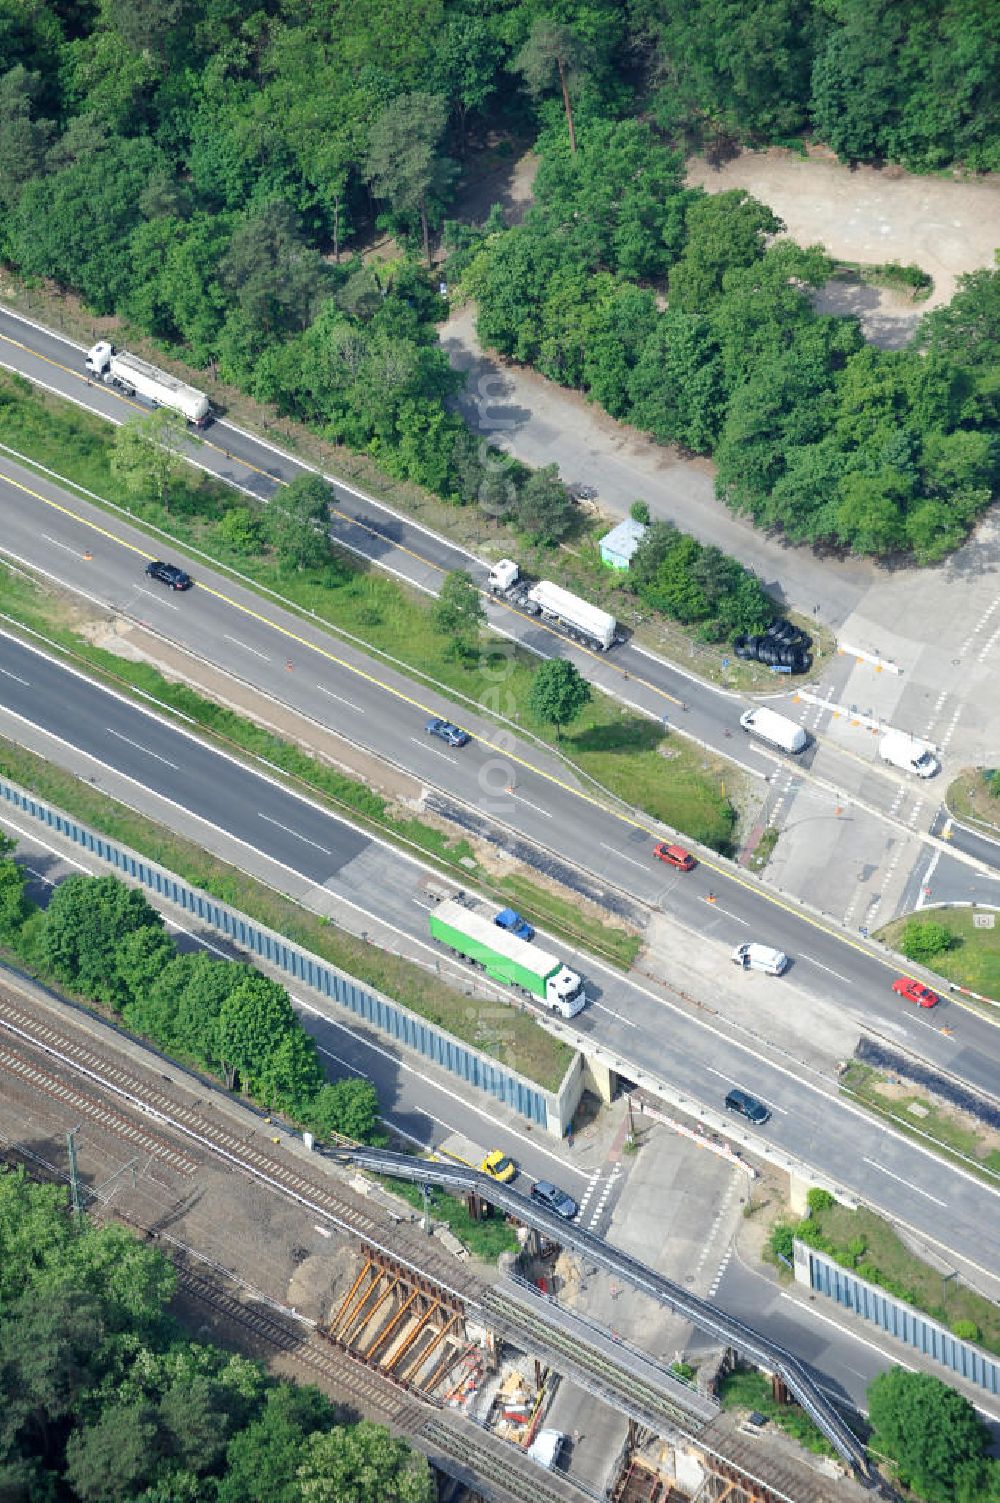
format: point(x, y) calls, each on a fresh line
point(507, 1034)
point(764, 849)
point(486, 1239)
point(974, 958)
point(864, 1242)
point(963, 1140)
point(971, 798)
point(36, 608)
point(682, 790)
point(751, 1391)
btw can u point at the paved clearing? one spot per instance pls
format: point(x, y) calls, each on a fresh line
point(945, 226)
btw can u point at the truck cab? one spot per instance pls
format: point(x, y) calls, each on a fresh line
point(564, 993)
point(98, 358)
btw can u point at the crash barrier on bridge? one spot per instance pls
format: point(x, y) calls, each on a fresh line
point(726, 1329)
point(407, 1028)
point(821, 1274)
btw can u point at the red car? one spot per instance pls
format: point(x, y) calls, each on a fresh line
point(913, 991)
point(675, 855)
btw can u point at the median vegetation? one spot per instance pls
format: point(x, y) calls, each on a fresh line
point(618, 749)
point(951, 942)
point(509, 1035)
point(863, 1242)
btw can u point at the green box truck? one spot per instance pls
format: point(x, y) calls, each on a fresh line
point(506, 958)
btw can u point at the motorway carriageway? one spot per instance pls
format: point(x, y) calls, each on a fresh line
point(403, 547)
point(511, 792)
point(395, 543)
point(641, 1026)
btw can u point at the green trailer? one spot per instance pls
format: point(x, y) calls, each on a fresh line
point(507, 959)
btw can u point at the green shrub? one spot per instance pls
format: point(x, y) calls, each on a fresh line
point(966, 1330)
point(819, 1200)
point(922, 939)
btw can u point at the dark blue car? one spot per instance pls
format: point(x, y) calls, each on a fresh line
point(514, 924)
point(445, 731)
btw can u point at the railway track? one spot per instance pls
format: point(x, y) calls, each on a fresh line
point(372, 1394)
point(611, 1378)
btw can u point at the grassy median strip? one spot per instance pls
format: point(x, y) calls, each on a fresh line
point(37, 609)
point(507, 1034)
point(972, 960)
point(866, 1243)
point(955, 1135)
point(677, 784)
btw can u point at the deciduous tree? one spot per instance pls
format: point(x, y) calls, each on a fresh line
point(458, 612)
point(559, 693)
point(298, 522)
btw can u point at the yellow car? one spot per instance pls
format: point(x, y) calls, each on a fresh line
point(498, 1166)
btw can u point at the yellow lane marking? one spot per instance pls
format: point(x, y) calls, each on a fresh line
point(353, 521)
point(721, 871)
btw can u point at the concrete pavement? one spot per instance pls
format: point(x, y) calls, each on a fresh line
point(648, 1029)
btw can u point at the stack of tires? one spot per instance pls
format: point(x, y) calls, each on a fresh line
point(781, 646)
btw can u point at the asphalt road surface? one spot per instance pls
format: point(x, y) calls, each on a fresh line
point(699, 1058)
point(497, 785)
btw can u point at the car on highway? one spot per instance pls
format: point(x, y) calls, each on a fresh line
point(169, 574)
point(554, 1199)
point(915, 991)
point(445, 731)
point(510, 920)
point(675, 855)
point(748, 1106)
point(499, 1167)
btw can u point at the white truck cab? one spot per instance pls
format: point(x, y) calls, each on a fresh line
point(754, 957)
point(546, 1448)
point(564, 993)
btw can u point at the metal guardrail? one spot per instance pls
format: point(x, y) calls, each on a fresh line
point(383, 1013)
point(727, 1329)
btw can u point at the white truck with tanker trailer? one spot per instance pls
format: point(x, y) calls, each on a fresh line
point(507, 959)
point(581, 621)
point(137, 377)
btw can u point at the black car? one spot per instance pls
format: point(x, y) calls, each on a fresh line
point(169, 574)
point(748, 1106)
point(445, 731)
point(554, 1199)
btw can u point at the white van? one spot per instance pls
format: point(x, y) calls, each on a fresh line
point(904, 751)
point(546, 1448)
point(754, 957)
point(777, 730)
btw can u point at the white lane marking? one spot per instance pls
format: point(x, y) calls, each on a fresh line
point(614, 1013)
point(873, 1346)
point(15, 676)
point(155, 595)
point(901, 1181)
point(289, 831)
point(434, 751)
point(829, 968)
point(643, 866)
point(349, 702)
point(537, 807)
point(66, 547)
point(730, 1081)
point(400, 1063)
point(144, 749)
point(246, 646)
